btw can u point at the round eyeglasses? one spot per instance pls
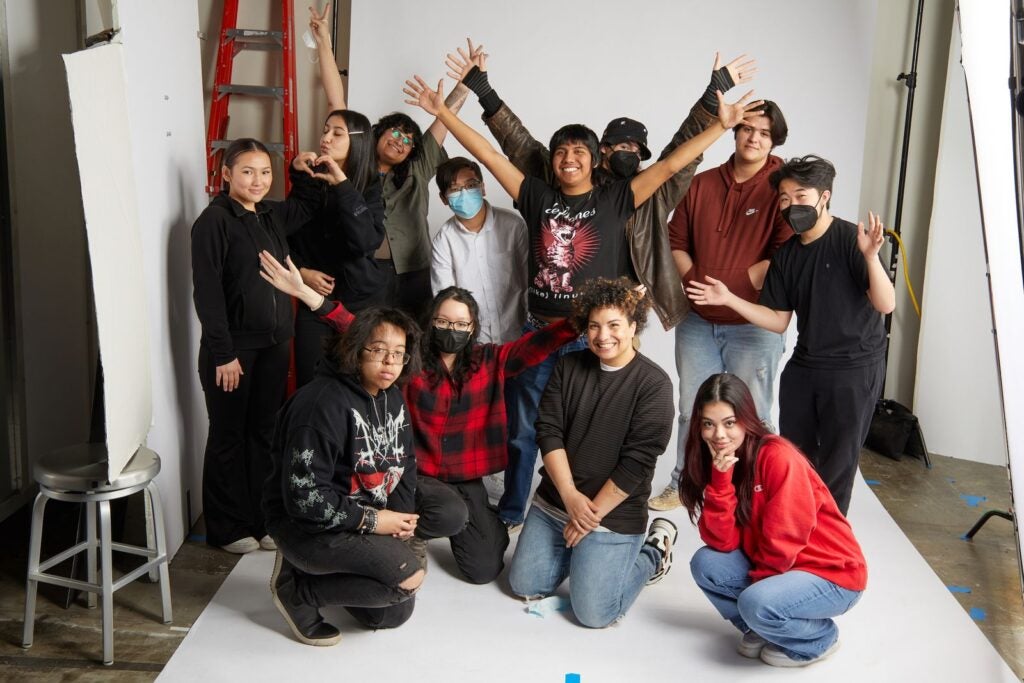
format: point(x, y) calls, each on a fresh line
point(457, 325)
point(393, 356)
point(397, 134)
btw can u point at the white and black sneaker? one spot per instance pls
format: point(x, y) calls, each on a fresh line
point(662, 536)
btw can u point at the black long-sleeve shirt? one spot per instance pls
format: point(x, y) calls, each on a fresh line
point(613, 425)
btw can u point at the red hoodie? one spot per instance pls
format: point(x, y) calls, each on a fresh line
point(794, 522)
point(726, 227)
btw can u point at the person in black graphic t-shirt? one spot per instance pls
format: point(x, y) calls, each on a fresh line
point(831, 276)
point(577, 230)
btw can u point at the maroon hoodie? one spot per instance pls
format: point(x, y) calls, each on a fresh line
point(726, 227)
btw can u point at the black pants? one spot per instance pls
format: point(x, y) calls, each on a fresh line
point(460, 510)
point(413, 294)
point(237, 459)
point(826, 413)
point(359, 572)
point(311, 333)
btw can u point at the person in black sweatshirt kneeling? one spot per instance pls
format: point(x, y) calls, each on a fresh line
point(605, 417)
point(340, 500)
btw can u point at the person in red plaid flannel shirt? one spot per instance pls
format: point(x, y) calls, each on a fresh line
point(457, 407)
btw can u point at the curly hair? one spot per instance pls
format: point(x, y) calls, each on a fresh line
point(602, 292)
point(346, 349)
point(404, 123)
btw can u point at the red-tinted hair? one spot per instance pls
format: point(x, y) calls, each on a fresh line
point(696, 472)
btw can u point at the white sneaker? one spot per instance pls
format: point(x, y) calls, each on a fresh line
point(750, 645)
point(662, 536)
point(242, 546)
point(772, 655)
point(267, 543)
point(665, 501)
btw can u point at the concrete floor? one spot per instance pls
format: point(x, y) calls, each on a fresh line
point(927, 504)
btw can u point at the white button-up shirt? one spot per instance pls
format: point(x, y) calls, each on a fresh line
point(491, 264)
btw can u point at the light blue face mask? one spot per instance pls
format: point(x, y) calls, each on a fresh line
point(466, 203)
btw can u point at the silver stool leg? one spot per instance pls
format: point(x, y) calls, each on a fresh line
point(161, 548)
point(35, 548)
point(107, 579)
point(90, 551)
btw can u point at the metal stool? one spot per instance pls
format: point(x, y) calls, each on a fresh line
point(79, 475)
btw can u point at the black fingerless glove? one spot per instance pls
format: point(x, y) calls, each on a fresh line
point(720, 80)
point(476, 80)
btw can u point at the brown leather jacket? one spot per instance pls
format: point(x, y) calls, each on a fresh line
point(646, 230)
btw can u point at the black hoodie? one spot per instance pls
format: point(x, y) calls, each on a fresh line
point(236, 308)
point(338, 449)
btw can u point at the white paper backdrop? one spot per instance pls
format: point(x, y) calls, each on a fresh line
point(99, 113)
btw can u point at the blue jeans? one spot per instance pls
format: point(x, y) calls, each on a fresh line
point(791, 610)
point(704, 349)
point(525, 390)
point(606, 570)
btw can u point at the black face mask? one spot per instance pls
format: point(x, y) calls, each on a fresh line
point(624, 164)
point(449, 341)
point(801, 217)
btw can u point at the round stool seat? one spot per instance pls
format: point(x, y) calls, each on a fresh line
point(83, 467)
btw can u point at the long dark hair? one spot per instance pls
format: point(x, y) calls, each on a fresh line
point(346, 349)
point(696, 472)
point(360, 165)
point(467, 361)
point(405, 124)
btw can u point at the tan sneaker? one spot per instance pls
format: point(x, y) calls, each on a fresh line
point(666, 500)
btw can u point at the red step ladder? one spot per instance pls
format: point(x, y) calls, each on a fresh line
point(232, 41)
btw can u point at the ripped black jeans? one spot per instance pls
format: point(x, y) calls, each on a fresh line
point(359, 572)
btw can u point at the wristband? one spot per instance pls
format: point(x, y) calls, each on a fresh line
point(476, 80)
point(720, 81)
point(369, 522)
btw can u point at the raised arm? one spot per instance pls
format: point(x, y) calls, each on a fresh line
point(715, 293)
point(650, 179)
point(459, 93)
point(880, 290)
point(432, 102)
point(330, 77)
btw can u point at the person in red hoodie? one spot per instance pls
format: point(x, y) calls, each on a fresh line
point(780, 559)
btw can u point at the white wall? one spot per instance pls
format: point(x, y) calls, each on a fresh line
point(165, 107)
point(956, 351)
point(557, 63)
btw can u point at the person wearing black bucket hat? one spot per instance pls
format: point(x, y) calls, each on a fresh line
point(624, 146)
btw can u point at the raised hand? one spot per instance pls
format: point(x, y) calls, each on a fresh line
point(319, 26)
point(304, 162)
point(870, 239)
point(459, 64)
point(430, 101)
point(741, 69)
point(287, 280)
point(327, 169)
point(715, 293)
point(731, 115)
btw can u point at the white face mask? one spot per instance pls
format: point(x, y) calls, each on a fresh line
point(308, 39)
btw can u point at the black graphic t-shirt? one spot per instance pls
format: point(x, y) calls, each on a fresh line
point(573, 239)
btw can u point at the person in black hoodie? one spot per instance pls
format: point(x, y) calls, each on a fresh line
point(334, 251)
point(340, 499)
point(246, 327)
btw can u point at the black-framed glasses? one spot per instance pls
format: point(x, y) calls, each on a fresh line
point(399, 135)
point(393, 356)
point(469, 185)
point(457, 325)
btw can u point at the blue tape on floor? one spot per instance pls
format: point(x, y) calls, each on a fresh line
point(872, 482)
point(959, 589)
point(977, 614)
point(572, 678)
point(197, 538)
point(972, 501)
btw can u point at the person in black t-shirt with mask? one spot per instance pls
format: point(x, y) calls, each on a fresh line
point(831, 276)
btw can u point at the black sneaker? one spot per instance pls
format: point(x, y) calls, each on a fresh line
point(662, 536)
point(304, 620)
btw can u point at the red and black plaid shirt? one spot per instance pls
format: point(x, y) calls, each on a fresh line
point(462, 435)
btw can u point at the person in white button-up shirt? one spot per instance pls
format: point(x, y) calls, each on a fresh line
point(481, 248)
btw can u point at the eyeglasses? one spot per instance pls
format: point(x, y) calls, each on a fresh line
point(393, 356)
point(470, 185)
point(457, 325)
point(397, 134)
